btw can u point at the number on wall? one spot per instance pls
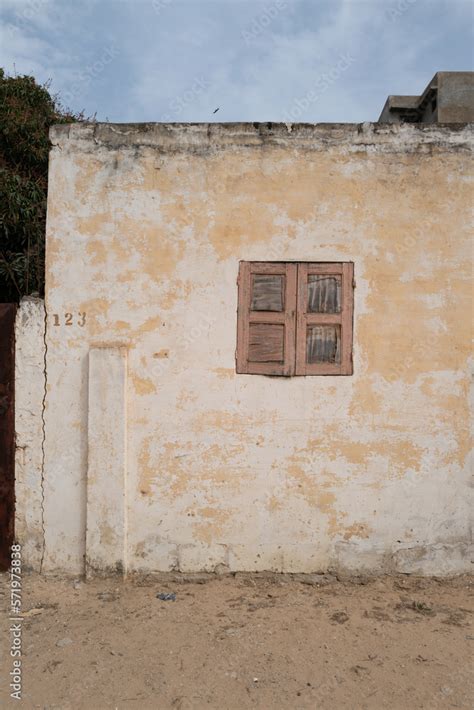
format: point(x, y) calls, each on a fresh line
point(68, 319)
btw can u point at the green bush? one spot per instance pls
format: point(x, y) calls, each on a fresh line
point(27, 110)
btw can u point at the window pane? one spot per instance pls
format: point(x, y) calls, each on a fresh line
point(323, 344)
point(267, 292)
point(266, 342)
point(324, 294)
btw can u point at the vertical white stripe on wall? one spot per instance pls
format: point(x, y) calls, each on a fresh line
point(106, 470)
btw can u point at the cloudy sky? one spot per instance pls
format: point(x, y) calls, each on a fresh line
point(255, 60)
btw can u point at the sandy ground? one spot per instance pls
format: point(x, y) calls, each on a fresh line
point(244, 641)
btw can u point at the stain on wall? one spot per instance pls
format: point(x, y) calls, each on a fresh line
point(146, 227)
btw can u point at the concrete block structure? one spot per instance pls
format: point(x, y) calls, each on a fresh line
point(448, 98)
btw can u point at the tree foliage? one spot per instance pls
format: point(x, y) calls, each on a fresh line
point(27, 110)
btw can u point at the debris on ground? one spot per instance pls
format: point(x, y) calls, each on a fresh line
point(166, 596)
point(64, 642)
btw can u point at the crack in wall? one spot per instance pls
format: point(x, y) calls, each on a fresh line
point(43, 438)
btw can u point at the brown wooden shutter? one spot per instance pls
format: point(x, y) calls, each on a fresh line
point(266, 318)
point(324, 327)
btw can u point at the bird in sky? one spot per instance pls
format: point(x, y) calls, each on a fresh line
point(217, 109)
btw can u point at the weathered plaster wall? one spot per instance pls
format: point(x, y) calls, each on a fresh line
point(29, 398)
point(146, 226)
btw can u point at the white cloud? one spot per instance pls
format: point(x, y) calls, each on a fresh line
point(184, 59)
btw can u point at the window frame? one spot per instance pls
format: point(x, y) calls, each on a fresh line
point(246, 316)
point(295, 317)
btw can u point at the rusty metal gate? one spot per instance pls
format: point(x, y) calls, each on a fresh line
point(7, 431)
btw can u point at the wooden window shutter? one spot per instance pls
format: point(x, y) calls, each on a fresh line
point(324, 322)
point(266, 318)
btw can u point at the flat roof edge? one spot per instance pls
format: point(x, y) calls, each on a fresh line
point(169, 137)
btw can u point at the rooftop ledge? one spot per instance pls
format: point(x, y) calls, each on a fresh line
point(199, 138)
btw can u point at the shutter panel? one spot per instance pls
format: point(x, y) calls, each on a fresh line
point(325, 313)
point(266, 318)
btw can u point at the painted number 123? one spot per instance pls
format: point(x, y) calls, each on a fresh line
point(70, 319)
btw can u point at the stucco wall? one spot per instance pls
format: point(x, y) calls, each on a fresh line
point(146, 227)
point(29, 434)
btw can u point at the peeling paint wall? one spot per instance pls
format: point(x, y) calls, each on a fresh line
point(146, 227)
point(29, 422)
